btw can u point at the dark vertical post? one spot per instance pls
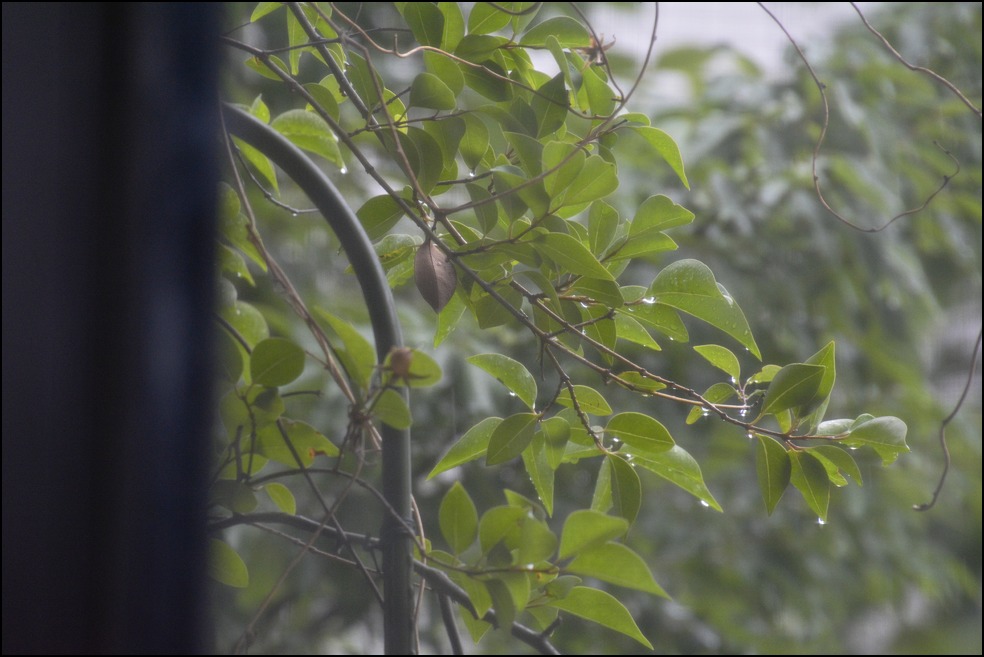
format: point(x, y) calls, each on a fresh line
point(109, 171)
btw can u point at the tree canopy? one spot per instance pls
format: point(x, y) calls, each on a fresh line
point(600, 432)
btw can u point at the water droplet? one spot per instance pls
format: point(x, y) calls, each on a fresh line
point(530, 566)
point(743, 412)
point(705, 411)
point(705, 504)
point(853, 449)
point(293, 214)
point(649, 300)
point(584, 305)
point(750, 435)
point(343, 170)
point(821, 521)
point(512, 394)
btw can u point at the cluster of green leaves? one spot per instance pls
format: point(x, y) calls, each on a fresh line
point(504, 176)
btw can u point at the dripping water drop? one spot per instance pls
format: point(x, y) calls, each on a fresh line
point(343, 170)
point(821, 521)
point(705, 504)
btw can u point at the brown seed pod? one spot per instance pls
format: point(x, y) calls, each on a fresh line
point(434, 275)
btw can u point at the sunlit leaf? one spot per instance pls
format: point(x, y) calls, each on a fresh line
point(585, 529)
point(601, 608)
point(225, 565)
point(510, 438)
point(616, 564)
point(510, 373)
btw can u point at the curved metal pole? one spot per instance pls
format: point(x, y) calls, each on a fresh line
point(396, 543)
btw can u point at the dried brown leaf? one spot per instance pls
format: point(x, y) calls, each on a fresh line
point(434, 275)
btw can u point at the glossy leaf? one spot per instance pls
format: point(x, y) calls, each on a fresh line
point(616, 564)
point(510, 438)
point(510, 373)
point(537, 461)
point(773, 467)
point(665, 147)
point(309, 131)
point(837, 460)
point(486, 18)
point(501, 524)
point(586, 529)
point(815, 411)
point(659, 213)
point(629, 329)
point(886, 435)
point(688, 285)
point(589, 400)
point(596, 180)
point(679, 467)
point(810, 479)
point(602, 608)
point(469, 447)
point(716, 394)
point(571, 256)
point(793, 386)
point(645, 434)
point(722, 359)
point(626, 488)
point(458, 518)
point(276, 362)
point(225, 565)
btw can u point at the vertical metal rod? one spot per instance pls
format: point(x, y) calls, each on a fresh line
point(397, 544)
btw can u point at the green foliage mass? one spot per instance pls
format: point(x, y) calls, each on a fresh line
point(571, 320)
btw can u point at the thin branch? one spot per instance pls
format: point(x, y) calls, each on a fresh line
point(921, 69)
point(823, 134)
point(942, 436)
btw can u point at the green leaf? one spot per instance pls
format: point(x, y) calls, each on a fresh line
point(571, 256)
point(509, 593)
point(663, 318)
point(722, 359)
point(260, 162)
point(454, 25)
point(234, 495)
point(426, 22)
point(510, 438)
point(550, 106)
point(510, 373)
point(458, 518)
point(658, 213)
point(378, 215)
point(678, 467)
point(836, 460)
point(629, 329)
point(536, 543)
point(446, 70)
point(225, 565)
point(365, 81)
point(688, 285)
point(814, 412)
point(276, 362)
point(886, 435)
point(717, 393)
point(475, 141)
point(665, 147)
point(419, 371)
point(486, 18)
point(794, 385)
point(810, 477)
point(425, 157)
point(603, 222)
point(616, 564)
point(645, 434)
point(567, 31)
point(358, 356)
point(599, 96)
point(282, 497)
point(306, 440)
point(626, 488)
point(585, 529)
point(501, 524)
point(597, 179)
point(588, 399)
point(391, 408)
point(429, 91)
point(469, 447)
point(536, 459)
point(487, 79)
point(324, 97)
point(262, 9)
point(601, 608)
point(773, 467)
point(233, 265)
point(602, 290)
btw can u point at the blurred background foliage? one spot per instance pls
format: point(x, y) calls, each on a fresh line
point(903, 305)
